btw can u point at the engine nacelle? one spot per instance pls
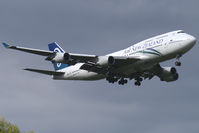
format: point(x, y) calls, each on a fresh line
point(103, 60)
point(61, 58)
point(111, 60)
point(168, 74)
point(67, 57)
point(106, 60)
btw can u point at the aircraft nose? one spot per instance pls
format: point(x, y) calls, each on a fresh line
point(192, 40)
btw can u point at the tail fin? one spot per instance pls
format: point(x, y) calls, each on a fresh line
point(56, 48)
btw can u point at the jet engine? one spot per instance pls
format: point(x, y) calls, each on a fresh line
point(103, 60)
point(67, 57)
point(107, 60)
point(61, 58)
point(168, 74)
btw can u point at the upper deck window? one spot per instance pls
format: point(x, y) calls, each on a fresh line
point(180, 32)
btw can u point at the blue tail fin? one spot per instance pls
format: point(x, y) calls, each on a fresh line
point(56, 48)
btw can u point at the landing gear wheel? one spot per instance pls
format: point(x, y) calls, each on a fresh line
point(137, 83)
point(122, 81)
point(111, 79)
point(140, 79)
point(178, 63)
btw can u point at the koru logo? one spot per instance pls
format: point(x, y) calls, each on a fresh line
point(58, 51)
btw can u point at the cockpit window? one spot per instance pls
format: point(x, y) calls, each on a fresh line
point(180, 32)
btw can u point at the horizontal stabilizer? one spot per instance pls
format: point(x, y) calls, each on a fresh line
point(45, 72)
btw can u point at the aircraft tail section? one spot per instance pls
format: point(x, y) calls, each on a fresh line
point(56, 48)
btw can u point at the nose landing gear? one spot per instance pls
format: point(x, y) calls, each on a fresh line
point(178, 63)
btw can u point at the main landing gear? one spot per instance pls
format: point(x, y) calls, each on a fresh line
point(178, 63)
point(138, 81)
point(112, 79)
point(122, 81)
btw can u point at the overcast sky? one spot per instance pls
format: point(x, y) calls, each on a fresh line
point(36, 102)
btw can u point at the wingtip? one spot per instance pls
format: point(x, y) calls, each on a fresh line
point(5, 45)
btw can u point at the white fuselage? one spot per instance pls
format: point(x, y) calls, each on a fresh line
point(150, 52)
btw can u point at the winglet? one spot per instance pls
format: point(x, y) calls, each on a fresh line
point(6, 45)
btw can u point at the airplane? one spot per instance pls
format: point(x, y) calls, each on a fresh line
point(139, 61)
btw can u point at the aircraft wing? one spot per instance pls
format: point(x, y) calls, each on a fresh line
point(119, 62)
point(45, 72)
point(94, 68)
point(51, 54)
point(82, 57)
point(29, 50)
point(91, 61)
